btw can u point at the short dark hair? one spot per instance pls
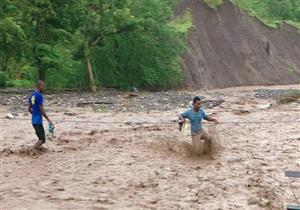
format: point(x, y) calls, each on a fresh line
point(196, 98)
point(40, 82)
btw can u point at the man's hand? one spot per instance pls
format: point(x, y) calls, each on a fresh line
point(51, 128)
point(181, 122)
point(208, 118)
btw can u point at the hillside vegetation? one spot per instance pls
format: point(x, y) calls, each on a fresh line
point(269, 12)
point(91, 43)
point(107, 43)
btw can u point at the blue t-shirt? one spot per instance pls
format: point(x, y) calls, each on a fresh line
point(195, 119)
point(35, 100)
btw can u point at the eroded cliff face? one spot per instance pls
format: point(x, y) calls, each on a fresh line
point(230, 48)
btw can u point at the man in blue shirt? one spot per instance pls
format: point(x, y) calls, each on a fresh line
point(36, 109)
point(195, 115)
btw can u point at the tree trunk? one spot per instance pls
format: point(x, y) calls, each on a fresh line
point(41, 74)
point(40, 29)
point(4, 63)
point(89, 67)
point(90, 74)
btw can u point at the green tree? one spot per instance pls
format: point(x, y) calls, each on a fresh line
point(99, 20)
point(271, 11)
point(79, 43)
point(282, 9)
point(47, 32)
point(146, 55)
point(12, 36)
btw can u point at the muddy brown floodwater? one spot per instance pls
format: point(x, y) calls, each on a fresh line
point(115, 162)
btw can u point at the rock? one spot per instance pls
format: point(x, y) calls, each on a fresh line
point(253, 201)
point(213, 103)
point(241, 112)
point(70, 114)
point(132, 95)
point(154, 201)
point(134, 89)
point(157, 173)
point(264, 202)
point(7, 151)
point(92, 132)
point(103, 200)
point(10, 116)
point(191, 199)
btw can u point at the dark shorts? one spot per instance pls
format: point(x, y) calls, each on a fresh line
point(40, 132)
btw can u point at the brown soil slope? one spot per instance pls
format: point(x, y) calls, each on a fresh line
point(230, 48)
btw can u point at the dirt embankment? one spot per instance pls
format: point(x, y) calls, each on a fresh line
point(230, 48)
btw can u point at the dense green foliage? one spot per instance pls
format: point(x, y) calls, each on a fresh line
point(82, 43)
point(213, 4)
point(108, 43)
point(269, 12)
point(272, 12)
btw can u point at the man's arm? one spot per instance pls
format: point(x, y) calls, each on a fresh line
point(208, 118)
point(181, 118)
point(29, 108)
point(44, 114)
point(184, 115)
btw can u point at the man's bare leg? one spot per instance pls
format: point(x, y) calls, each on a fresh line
point(196, 139)
point(207, 144)
point(37, 145)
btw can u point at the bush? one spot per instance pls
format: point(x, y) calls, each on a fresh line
point(213, 4)
point(23, 83)
point(3, 79)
